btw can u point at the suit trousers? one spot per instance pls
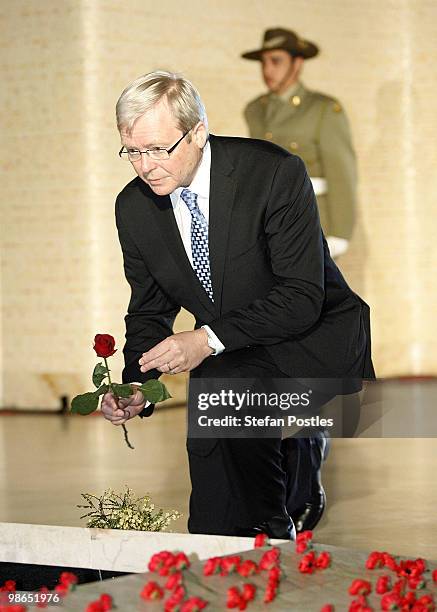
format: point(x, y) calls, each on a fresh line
point(244, 486)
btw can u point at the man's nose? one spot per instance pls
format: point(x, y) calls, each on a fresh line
point(147, 163)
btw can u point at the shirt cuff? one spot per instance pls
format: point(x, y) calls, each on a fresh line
point(213, 342)
point(337, 246)
point(139, 384)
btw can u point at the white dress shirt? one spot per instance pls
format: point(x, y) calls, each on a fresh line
point(200, 186)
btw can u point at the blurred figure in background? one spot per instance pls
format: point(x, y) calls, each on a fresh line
point(309, 124)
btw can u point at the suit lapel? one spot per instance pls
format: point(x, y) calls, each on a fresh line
point(221, 200)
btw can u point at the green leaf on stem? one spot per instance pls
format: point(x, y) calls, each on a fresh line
point(122, 390)
point(154, 391)
point(99, 373)
point(101, 390)
point(85, 403)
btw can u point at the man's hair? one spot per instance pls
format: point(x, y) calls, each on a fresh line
point(145, 92)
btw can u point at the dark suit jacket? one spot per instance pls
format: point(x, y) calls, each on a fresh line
point(273, 279)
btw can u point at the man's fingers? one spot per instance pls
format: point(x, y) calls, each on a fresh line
point(155, 353)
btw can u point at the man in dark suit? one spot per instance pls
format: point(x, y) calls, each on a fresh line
point(228, 229)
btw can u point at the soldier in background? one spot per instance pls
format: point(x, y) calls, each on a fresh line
point(315, 127)
point(309, 124)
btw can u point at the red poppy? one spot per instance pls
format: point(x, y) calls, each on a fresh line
point(229, 564)
point(275, 574)
point(249, 591)
point(173, 602)
point(211, 566)
point(269, 559)
point(233, 597)
point(416, 582)
point(247, 568)
point(360, 605)
point(181, 561)
point(374, 560)
point(270, 593)
point(327, 608)
point(152, 591)
point(261, 540)
point(173, 581)
point(426, 602)
point(158, 560)
point(307, 563)
point(360, 587)
point(106, 601)
point(193, 604)
point(323, 560)
point(391, 601)
point(104, 345)
point(383, 585)
point(434, 575)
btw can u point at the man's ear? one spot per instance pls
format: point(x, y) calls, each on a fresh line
point(200, 135)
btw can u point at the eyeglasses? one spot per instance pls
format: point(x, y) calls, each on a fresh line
point(156, 153)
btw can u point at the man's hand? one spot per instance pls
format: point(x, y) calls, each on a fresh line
point(121, 410)
point(178, 353)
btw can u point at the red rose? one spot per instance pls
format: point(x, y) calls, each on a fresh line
point(10, 585)
point(249, 591)
point(247, 568)
point(323, 560)
point(434, 575)
point(360, 587)
point(104, 345)
point(16, 608)
point(327, 608)
point(173, 581)
point(261, 540)
point(193, 604)
point(307, 563)
point(383, 585)
point(151, 591)
point(211, 566)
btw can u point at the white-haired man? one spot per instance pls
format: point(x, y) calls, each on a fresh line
point(228, 229)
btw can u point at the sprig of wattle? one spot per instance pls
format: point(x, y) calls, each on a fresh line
point(153, 390)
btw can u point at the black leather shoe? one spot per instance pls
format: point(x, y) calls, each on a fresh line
point(278, 527)
point(307, 516)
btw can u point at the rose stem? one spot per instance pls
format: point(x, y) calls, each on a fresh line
point(126, 437)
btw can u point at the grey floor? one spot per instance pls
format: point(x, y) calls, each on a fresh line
point(381, 492)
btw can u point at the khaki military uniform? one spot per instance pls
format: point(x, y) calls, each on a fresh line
point(315, 127)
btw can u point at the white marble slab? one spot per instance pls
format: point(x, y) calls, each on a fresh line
point(105, 549)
